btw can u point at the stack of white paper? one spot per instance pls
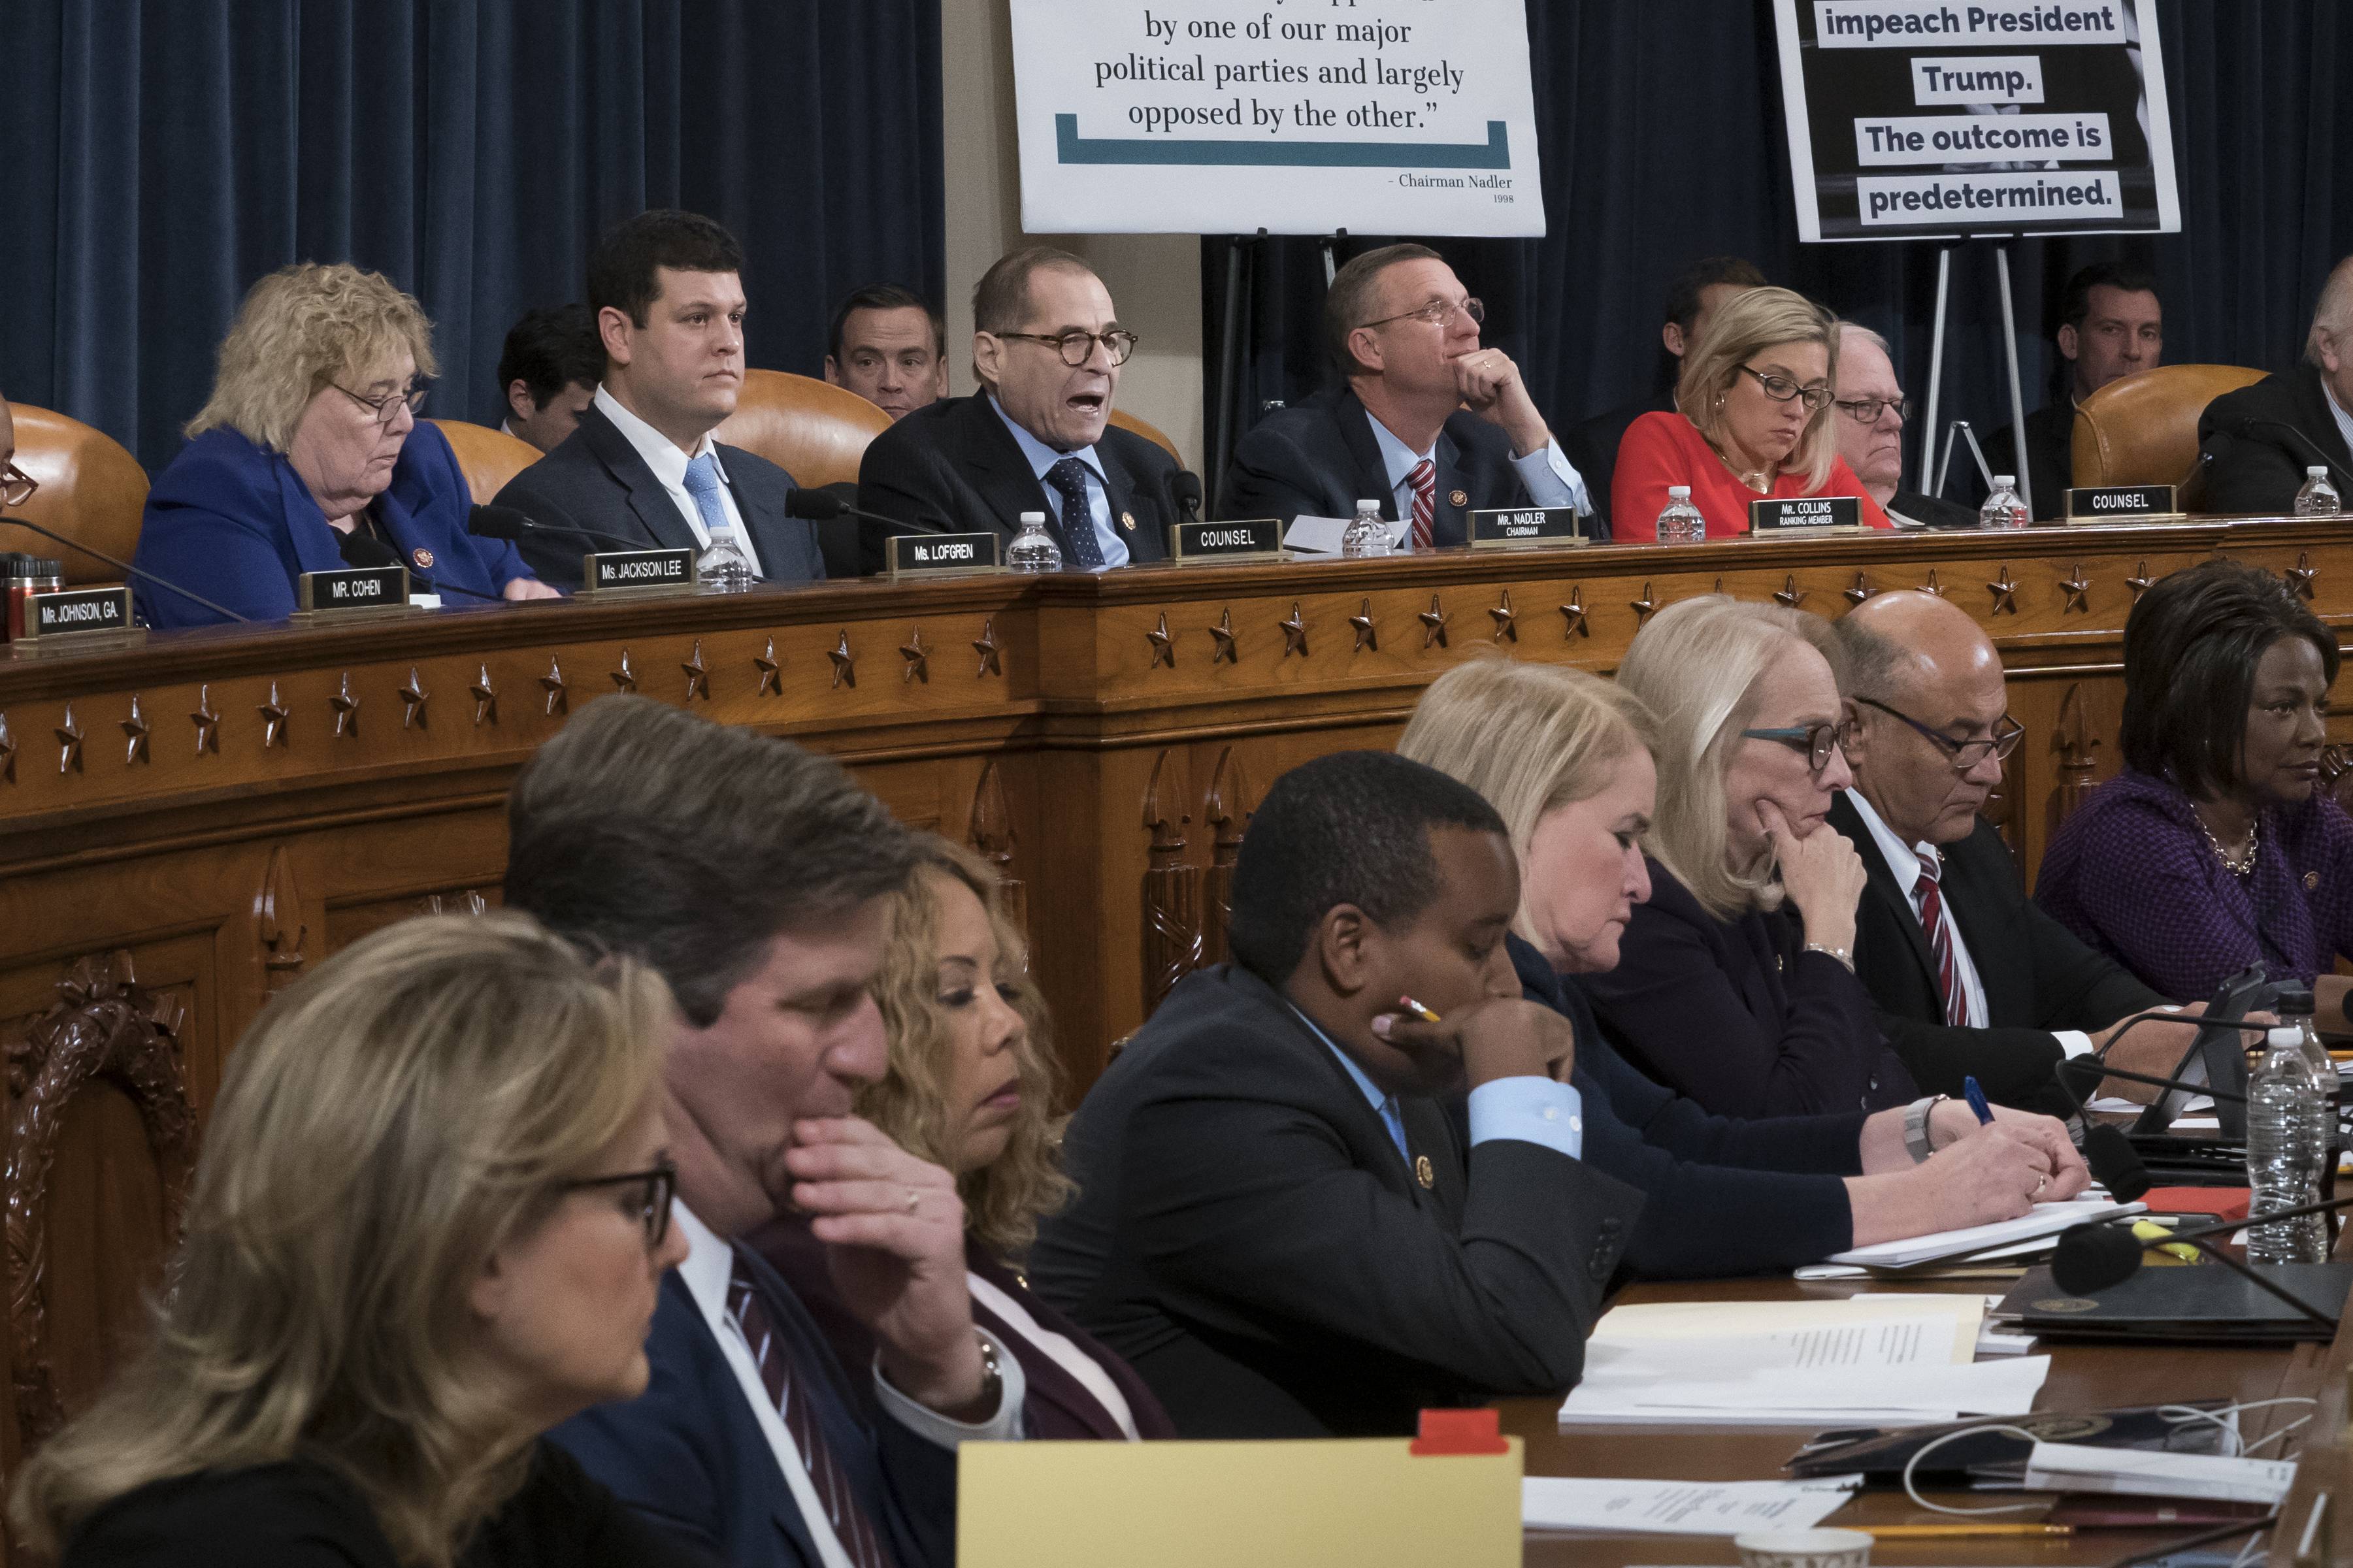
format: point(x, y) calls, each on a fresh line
point(1680, 1507)
point(2047, 1219)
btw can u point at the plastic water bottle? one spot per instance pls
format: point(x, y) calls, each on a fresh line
point(722, 567)
point(1033, 548)
point(2003, 509)
point(1681, 523)
point(2318, 498)
point(2290, 1137)
point(1366, 534)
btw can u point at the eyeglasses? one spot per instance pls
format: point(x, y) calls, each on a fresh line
point(1437, 312)
point(650, 1203)
point(1816, 741)
point(16, 486)
point(1076, 348)
point(1865, 410)
point(1965, 754)
point(1780, 389)
point(387, 408)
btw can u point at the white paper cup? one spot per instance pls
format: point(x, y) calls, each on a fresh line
point(1803, 1549)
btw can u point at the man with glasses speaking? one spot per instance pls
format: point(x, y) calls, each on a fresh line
point(1967, 973)
point(1430, 423)
point(1047, 346)
point(1871, 435)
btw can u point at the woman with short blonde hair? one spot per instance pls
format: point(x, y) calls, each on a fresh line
point(430, 1222)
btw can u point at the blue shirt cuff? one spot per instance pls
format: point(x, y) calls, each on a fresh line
point(1533, 1110)
point(1552, 479)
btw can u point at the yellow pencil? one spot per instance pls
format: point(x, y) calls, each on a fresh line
point(1418, 1010)
point(1935, 1532)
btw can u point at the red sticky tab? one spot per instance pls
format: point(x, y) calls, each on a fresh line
point(1461, 1432)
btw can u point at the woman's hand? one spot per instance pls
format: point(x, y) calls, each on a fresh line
point(528, 588)
point(1989, 1174)
point(1820, 873)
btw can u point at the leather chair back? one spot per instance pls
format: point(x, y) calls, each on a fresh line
point(93, 489)
point(1152, 433)
point(814, 430)
point(2143, 430)
point(489, 458)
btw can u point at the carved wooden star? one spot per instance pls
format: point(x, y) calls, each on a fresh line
point(845, 663)
point(1368, 634)
point(918, 658)
point(1859, 591)
point(625, 678)
point(206, 721)
point(1642, 607)
point(1505, 620)
point(2139, 583)
point(2300, 575)
point(8, 752)
point(347, 709)
point(1574, 611)
point(1224, 634)
point(1717, 589)
point(68, 744)
point(2005, 593)
point(765, 661)
point(1790, 595)
point(274, 715)
point(552, 684)
point(486, 697)
point(992, 660)
point(2079, 589)
point(416, 696)
point(1931, 587)
point(698, 677)
point(1164, 644)
point(1294, 633)
point(134, 735)
point(1433, 623)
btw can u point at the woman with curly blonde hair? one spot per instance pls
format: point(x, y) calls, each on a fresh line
point(970, 1086)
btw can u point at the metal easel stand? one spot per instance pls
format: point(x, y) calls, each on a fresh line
point(1932, 472)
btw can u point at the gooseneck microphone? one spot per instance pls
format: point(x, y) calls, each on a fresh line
point(364, 551)
point(2244, 426)
point(506, 522)
point(822, 505)
point(128, 570)
point(1185, 489)
point(2103, 1253)
point(2114, 1162)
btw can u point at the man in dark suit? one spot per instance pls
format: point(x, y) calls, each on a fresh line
point(2258, 441)
point(1429, 423)
point(1871, 432)
point(1037, 436)
point(753, 875)
point(1276, 1224)
point(1970, 978)
point(669, 300)
point(2110, 325)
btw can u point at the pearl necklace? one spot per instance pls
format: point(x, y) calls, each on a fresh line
point(2236, 868)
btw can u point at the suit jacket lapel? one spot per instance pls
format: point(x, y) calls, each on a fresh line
point(1430, 1145)
point(1881, 884)
point(994, 464)
point(1449, 521)
point(655, 510)
point(1372, 473)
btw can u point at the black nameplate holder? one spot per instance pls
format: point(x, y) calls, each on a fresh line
point(73, 618)
point(1250, 539)
point(353, 591)
point(942, 554)
point(637, 571)
point(1527, 528)
point(2122, 503)
point(1803, 516)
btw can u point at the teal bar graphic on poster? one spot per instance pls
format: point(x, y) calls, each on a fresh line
point(1495, 153)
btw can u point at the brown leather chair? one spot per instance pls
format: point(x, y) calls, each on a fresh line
point(816, 431)
point(489, 458)
point(2143, 430)
point(1150, 432)
point(93, 489)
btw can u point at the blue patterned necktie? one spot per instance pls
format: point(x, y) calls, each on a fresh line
point(702, 484)
point(1068, 479)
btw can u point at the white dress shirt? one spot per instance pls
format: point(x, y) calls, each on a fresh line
point(2344, 423)
point(669, 465)
point(1533, 1110)
point(1552, 479)
point(1042, 457)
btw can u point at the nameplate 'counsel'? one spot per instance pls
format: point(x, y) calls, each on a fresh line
point(2096, 503)
point(1248, 539)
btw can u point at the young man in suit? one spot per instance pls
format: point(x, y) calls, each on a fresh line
point(1276, 1224)
point(1037, 436)
point(1970, 978)
point(2259, 440)
point(1429, 423)
point(668, 297)
point(2110, 325)
point(548, 372)
point(751, 875)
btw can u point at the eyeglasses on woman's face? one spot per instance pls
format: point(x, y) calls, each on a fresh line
point(387, 408)
point(1817, 741)
point(645, 1196)
point(1780, 389)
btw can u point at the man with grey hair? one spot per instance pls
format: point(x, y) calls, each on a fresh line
point(753, 875)
point(1874, 411)
point(2257, 442)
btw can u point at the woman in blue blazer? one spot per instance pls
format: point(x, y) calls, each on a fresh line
point(309, 458)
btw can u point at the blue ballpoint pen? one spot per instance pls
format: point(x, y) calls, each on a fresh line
point(1975, 1097)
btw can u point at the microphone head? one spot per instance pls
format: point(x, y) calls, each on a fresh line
point(1184, 487)
point(817, 506)
point(365, 549)
point(2114, 1163)
point(497, 522)
point(2094, 1257)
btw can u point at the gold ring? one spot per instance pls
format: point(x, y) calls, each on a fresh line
point(913, 1197)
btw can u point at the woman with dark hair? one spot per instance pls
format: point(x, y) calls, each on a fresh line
point(2215, 848)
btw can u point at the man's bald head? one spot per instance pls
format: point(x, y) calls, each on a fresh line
point(1893, 641)
point(1910, 662)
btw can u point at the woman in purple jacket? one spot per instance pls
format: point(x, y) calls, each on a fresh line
point(2215, 848)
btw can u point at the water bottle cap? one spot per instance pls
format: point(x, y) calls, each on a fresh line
point(1368, 506)
point(2320, 473)
point(1679, 492)
point(2293, 1003)
point(2004, 481)
point(1037, 517)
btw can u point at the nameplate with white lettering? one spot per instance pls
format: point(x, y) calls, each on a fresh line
point(625, 570)
point(1248, 539)
point(103, 612)
point(936, 554)
point(2131, 503)
point(1526, 528)
point(1797, 516)
point(354, 588)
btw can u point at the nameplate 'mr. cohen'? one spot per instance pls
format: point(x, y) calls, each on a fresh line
point(2092, 502)
point(607, 571)
point(354, 588)
point(919, 554)
point(74, 610)
point(1527, 527)
point(1225, 541)
point(1804, 514)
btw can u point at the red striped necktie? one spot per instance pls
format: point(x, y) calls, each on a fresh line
point(1423, 478)
point(1940, 940)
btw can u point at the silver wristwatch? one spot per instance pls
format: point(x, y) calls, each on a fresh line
point(1915, 1127)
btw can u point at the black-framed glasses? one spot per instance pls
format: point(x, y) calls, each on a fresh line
point(16, 486)
point(1866, 410)
point(1817, 741)
point(1437, 313)
point(650, 1203)
point(387, 408)
point(1965, 754)
point(1076, 348)
point(1780, 389)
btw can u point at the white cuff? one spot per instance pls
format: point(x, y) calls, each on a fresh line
point(1552, 479)
point(1005, 1426)
point(2074, 1042)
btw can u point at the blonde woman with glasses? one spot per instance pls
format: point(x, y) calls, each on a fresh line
point(1752, 421)
point(430, 1222)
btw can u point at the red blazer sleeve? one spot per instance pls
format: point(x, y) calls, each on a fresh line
point(1649, 460)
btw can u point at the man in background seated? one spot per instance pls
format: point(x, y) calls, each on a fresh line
point(548, 374)
point(1429, 422)
point(2110, 325)
point(667, 289)
point(1047, 345)
point(755, 876)
point(1276, 1224)
point(1692, 304)
point(1872, 408)
point(2258, 441)
point(890, 348)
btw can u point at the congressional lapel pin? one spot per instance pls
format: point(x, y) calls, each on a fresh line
point(1127, 520)
point(2311, 881)
point(1422, 1172)
point(422, 557)
point(1459, 498)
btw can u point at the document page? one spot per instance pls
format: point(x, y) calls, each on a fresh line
point(1680, 1507)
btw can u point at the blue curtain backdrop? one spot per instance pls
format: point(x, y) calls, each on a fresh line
point(162, 154)
point(1662, 142)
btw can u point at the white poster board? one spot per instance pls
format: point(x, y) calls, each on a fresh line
point(1293, 116)
point(1936, 119)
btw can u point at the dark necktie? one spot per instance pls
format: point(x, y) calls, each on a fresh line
point(1068, 479)
point(1940, 941)
point(1423, 478)
point(785, 1384)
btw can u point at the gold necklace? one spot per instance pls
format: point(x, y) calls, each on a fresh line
point(2246, 862)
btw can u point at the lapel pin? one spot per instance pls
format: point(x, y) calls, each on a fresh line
point(1459, 498)
point(2311, 881)
point(1422, 1172)
point(422, 557)
point(1127, 520)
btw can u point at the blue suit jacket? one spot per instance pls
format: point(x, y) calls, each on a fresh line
point(231, 519)
point(689, 1453)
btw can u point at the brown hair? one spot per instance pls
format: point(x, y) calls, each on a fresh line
point(1347, 302)
point(1000, 301)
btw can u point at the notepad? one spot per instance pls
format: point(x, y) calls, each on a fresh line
point(2048, 1219)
